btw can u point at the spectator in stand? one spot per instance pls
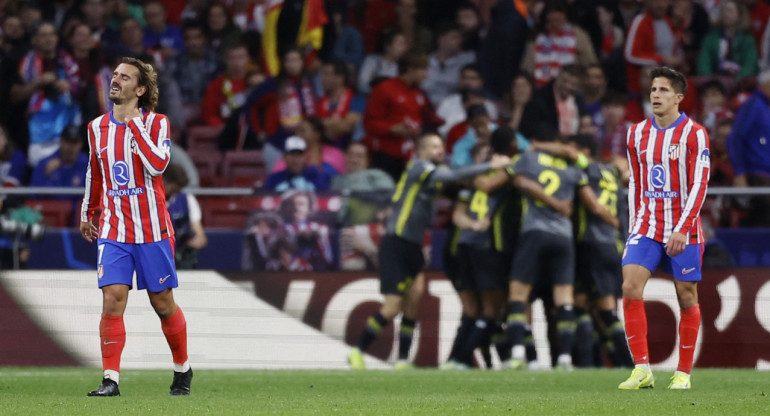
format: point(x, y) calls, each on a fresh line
point(65, 168)
point(629, 9)
point(131, 43)
point(358, 175)
point(729, 49)
point(194, 69)
point(610, 53)
point(246, 13)
point(58, 12)
point(96, 13)
point(219, 27)
point(391, 47)
point(721, 172)
point(277, 106)
point(691, 23)
point(556, 43)
point(115, 13)
point(522, 89)
point(759, 11)
point(555, 104)
point(594, 87)
point(298, 174)
point(31, 15)
point(372, 18)
point(348, 46)
point(159, 34)
point(503, 45)
point(453, 108)
point(397, 113)
point(713, 107)
point(749, 150)
point(470, 98)
point(764, 49)
point(479, 132)
point(186, 217)
point(227, 92)
point(13, 39)
point(445, 63)
point(611, 136)
point(639, 107)
point(298, 210)
point(47, 80)
point(13, 164)
point(468, 19)
point(340, 108)
point(651, 42)
point(319, 155)
point(194, 11)
point(89, 59)
point(418, 37)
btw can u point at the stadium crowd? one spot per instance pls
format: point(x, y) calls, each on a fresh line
point(314, 95)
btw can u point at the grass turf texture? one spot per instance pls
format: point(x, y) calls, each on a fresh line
point(62, 391)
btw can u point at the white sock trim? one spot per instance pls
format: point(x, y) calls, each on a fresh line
point(112, 375)
point(182, 368)
point(519, 352)
point(645, 367)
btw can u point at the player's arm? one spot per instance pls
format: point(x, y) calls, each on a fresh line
point(93, 190)
point(592, 205)
point(444, 174)
point(698, 169)
point(535, 191)
point(199, 239)
point(491, 182)
point(462, 220)
point(564, 151)
point(152, 143)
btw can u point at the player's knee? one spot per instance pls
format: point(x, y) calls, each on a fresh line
point(632, 289)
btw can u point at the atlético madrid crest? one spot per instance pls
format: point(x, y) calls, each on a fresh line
point(673, 152)
point(100, 271)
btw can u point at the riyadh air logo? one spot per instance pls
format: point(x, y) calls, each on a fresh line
point(120, 172)
point(658, 176)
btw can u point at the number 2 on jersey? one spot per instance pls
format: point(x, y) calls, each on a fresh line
point(550, 181)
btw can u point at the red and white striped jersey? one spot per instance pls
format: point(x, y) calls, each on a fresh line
point(669, 178)
point(124, 178)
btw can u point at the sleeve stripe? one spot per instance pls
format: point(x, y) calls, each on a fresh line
point(699, 186)
point(632, 33)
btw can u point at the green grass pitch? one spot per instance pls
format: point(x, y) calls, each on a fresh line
point(62, 391)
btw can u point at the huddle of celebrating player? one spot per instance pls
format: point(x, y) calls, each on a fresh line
point(517, 236)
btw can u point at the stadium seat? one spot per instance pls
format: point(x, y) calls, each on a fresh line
point(230, 212)
point(244, 168)
point(203, 138)
point(56, 212)
point(209, 165)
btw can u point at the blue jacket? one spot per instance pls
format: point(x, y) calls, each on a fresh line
point(749, 141)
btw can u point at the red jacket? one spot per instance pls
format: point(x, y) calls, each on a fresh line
point(215, 109)
point(640, 49)
point(393, 101)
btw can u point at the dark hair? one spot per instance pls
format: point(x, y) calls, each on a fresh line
point(713, 84)
point(176, 174)
point(340, 69)
point(572, 69)
point(412, 60)
point(192, 25)
point(501, 139)
point(586, 141)
point(318, 125)
point(476, 110)
point(148, 78)
point(445, 27)
point(613, 97)
point(385, 38)
point(678, 81)
point(467, 93)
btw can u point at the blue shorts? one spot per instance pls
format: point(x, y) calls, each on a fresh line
point(648, 253)
point(153, 262)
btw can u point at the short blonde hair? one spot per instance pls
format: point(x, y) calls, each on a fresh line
point(148, 78)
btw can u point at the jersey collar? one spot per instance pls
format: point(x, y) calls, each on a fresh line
point(682, 117)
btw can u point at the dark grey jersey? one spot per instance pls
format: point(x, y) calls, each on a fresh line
point(415, 192)
point(559, 179)
point(604, 179)
point(481, 205)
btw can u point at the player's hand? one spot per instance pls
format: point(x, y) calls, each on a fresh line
point(564, 207)
point(88, 231)
point(676, 244)
point(499, 161)
point(481, 225)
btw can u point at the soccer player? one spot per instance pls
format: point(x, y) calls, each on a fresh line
point(597, 277)
point(545, 254)
point(669, 159)
point(129, 150)
point(400, 254)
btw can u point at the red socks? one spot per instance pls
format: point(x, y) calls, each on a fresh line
point(636, 329)
point(113, 337)
point(688, 334)
point(175, 330)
